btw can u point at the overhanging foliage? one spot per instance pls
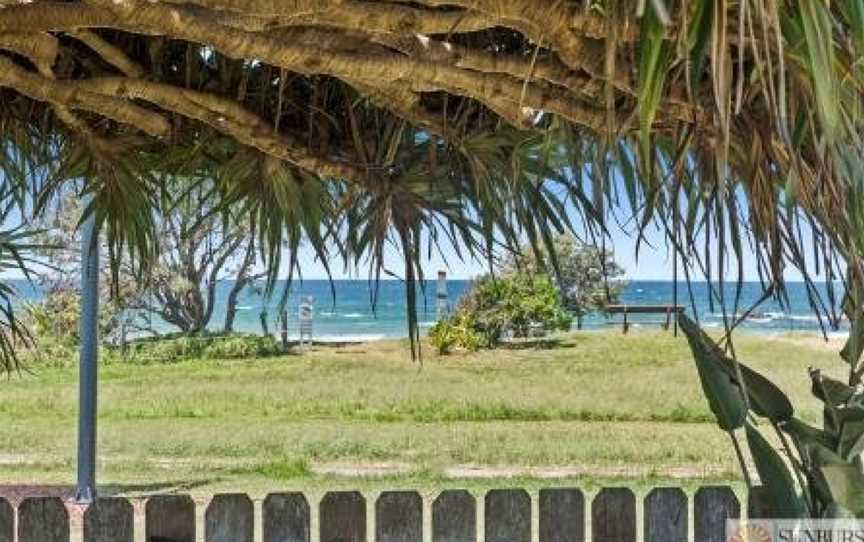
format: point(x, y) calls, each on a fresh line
point(474, 122)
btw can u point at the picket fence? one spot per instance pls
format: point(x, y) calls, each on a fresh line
point(398, 517)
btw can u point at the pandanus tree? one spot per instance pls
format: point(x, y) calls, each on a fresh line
point(728, 126)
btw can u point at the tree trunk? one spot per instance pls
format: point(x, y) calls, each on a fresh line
point(242, 280)
point(264, 327)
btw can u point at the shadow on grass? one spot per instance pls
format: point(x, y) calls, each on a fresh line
point(168, 486)
point(536, 344)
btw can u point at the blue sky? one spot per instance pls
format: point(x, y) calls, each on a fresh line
point(653, 262)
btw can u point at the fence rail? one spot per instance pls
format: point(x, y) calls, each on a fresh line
point(398, 517)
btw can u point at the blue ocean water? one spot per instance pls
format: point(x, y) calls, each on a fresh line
point(347, 312)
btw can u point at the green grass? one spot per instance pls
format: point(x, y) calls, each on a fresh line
point(598, 408)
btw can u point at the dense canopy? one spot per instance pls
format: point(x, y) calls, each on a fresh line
point(473, 122)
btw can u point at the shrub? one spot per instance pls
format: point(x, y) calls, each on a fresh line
point(173, 349)
point(458, 330)
point(516, 302)
point(166, 350)
point(241, 346)
point(589, 277)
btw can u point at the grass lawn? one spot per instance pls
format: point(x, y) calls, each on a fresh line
point(598, 409)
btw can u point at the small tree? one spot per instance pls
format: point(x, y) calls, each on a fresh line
point(589, 277)
point(199, 246)
point(57, 313)
point(514, 303)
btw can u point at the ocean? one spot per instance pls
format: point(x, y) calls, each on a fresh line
point(349, 314)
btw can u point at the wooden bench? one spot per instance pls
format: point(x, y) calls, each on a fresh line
point(668, 310)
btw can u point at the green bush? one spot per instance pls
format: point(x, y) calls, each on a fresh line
point(459, 330)
point(177, 348)
point(56, 317)
point(516, 302)
point(241, 346)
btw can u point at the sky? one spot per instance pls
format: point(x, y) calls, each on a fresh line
point(653, 263)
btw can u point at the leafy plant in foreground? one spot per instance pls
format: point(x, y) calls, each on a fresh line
point(819, 473)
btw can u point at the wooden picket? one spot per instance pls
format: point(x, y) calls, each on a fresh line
point(613, 516)
point(343, 517)
point(230, 518)
point(169, 518)
point(563, 516)
point(712, 507)
point(286, 518)
point(109, 520)
point(43, 519)
point(454, 517)
point(665, 515)
point(7, 521)
point(399, 517)
point(508, 516)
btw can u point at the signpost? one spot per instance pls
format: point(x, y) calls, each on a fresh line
point(305, 314)
point(441, 301)
point(85, 490)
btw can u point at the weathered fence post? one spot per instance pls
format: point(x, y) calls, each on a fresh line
point(712, 506)
point(562, 515)
point(399, 517)
point(7, 521)
point(508, 516)
point(109, 520)
point(170, 517)
point(665, 515)
point(286, 518)
point(613, 516)
point(229, 518)
point(343, 517)
point(454, 517)
point(43, 519)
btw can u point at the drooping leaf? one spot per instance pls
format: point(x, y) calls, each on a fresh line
point(803, 434)
point(724, 397)
point(780, 491)
point(852, 439)
point(766, 399)
point(845, 484)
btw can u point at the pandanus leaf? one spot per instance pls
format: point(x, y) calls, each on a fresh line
point(805, 435)
point(832, 392)
point(766, 399)
point(852, 439)
point(781, 495)
point(845, 484)
point(834, 480)
point(724, 397)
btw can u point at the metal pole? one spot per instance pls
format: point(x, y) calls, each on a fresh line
point(441, 295)
point(88, 362)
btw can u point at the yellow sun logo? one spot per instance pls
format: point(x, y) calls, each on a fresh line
point(751, 532)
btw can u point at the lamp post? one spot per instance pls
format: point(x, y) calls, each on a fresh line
point(85, 490)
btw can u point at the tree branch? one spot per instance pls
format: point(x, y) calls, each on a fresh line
point(113, 55)
point(72, 95)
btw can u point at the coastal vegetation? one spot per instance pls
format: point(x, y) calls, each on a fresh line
point(532, 293)
point(477, 124)
point(587, 276)
point(516, 304)
point(598, 407)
